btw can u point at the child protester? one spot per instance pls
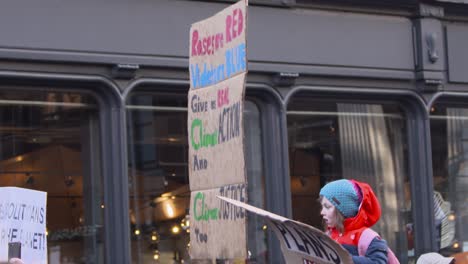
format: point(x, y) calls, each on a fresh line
point(349, 209)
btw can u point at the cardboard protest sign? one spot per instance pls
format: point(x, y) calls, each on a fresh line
point(218, 47)
point(216, 134)
point(23, 219)
point(300, 243)
point(217, 227)
point(218, 66)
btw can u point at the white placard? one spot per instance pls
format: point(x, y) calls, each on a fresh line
point(23, 219)
point(300, 243)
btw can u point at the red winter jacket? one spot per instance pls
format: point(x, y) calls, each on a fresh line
point(368, 214)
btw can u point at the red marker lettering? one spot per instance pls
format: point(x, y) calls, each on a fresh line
point(234, 23)
point(194, 42)
point(228, 28)
point(240, 23)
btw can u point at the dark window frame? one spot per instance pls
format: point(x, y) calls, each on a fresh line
point(455, 99)
point(419, 149)
point(110, 114)
point(273, 126)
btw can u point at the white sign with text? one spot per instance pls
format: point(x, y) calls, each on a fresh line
point(23, 219)
point(300, 243)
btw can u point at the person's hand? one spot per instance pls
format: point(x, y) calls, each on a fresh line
point(16, 261)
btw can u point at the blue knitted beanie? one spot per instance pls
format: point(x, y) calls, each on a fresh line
point(343, 196)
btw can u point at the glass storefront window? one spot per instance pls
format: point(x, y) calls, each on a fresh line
point(49, 142)
point(331, 140)
point(159, 181)
point(449, 134)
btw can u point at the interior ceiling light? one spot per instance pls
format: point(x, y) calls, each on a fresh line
point(185, 223)
point(175, 229)
point(451, 217)
point(169, 210)
point(156, 255)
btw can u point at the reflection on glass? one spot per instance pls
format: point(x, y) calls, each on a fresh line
point(330, 140)
point(45, 144)
point(158, 178)
point(256, 232)
point(449, 133)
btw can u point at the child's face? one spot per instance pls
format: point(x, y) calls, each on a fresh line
point(328, 212)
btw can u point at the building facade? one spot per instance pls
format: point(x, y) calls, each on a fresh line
point(93, 110)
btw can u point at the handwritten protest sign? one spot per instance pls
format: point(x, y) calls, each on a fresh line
point(216, 153)
point(218, 47)
point(300, 243)
point(218, 66)
point(23, 219)
point(215, 224)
